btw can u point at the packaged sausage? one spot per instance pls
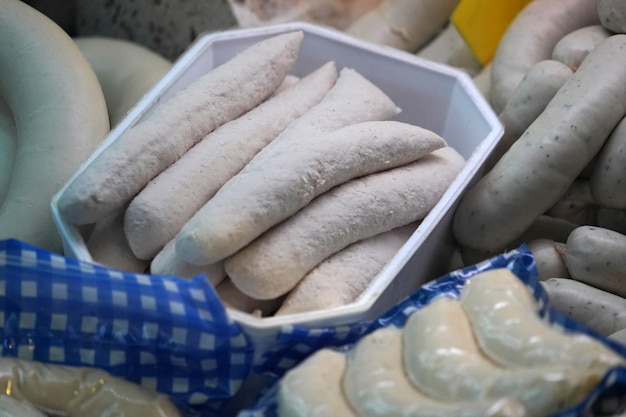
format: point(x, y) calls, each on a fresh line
point(298, 344)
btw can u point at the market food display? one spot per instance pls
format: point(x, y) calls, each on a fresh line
point(454, 357)
point(288, 191)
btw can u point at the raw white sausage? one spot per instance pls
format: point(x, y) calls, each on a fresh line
point(597, 256)
point(377, 385)
point(445, 362)
point(341, 278)
point(599, 310)
point(530, 38)
point(572, 49)
point(509, 330)
point(275, 262)
point(167, 202)
point(542, 164)
point(274, 186)
point(608, 178)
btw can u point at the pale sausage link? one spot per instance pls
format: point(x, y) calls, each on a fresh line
point(542, 164)
point(60, 115)
point(269, 190)
point(143, 151)
point(595, 256)
point(530, 38)
point(160, 210)
point(80, 391)
point(276, 261)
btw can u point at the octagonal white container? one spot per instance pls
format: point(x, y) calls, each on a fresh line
point(430, 95)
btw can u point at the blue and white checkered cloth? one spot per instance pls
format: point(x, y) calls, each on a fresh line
point(165, 333)
point(296, 344)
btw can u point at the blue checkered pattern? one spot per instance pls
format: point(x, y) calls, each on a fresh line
point(165, 333)
point(296, 344)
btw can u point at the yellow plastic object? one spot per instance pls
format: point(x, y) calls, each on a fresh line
point(482, 23)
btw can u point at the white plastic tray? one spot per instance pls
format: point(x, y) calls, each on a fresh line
point(430, 95)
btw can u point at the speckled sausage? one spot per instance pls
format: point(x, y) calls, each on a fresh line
point(12, 407)
point(313, 388)
point(528, 100)
point(542, 164)
point(143, 151)
point(612, 219)
point(445, 362)
point(597, 256)
point(612, 14)
point(608, 179)
point(577, 205)
point(159, 211)
point(597, 309)
point(276, 261)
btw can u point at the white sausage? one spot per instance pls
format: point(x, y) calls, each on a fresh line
point(597, 256)
point(275, 262)
point(549, 257)
point(376, 385)
point(608, 179)
point(313, 388)
point(60, 116)
point(404, 24)
point(570, 131)
point(509, 330)
point(108, 246)
point(274, 186)
point(162, 207)
point(619, 337)
point(445, 362)
point(235, 299)
point(612, 14)
point(168, 262)
point(530, 38)
point(143, 151)
point(572, 49)
point(599, 310)
point(341, 278)
point(527, 101)
point(8, 145)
